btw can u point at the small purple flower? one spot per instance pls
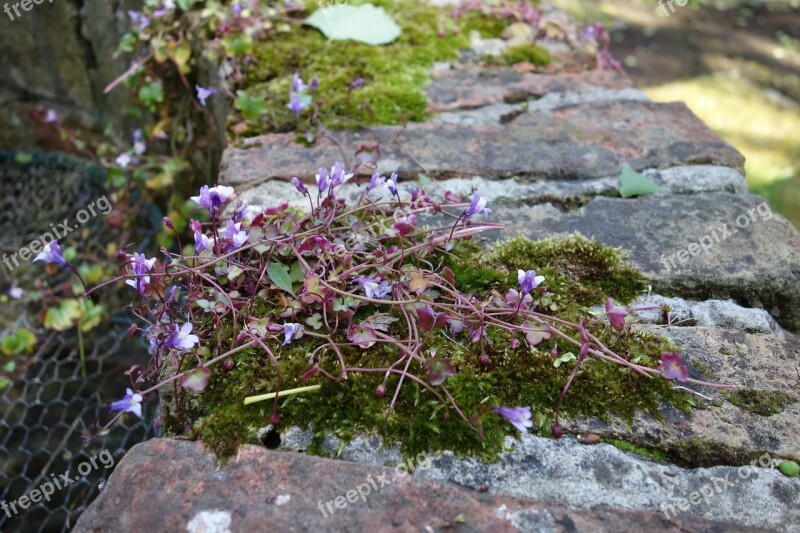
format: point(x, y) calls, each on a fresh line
point(299, 185)
point(16, 293)
point(391, 184)
point(131, 403)
point(51, 254)
point(616, 315)
point(167, 7)
point(322, 180)
point(139, 145)
point(203, 94)
point(375, 181)
point(520, 417)
point(477, 205)
point(139, 20)
point(291, 331)
point(123, 160)
point(374, 287)
point(236, 9)
point(140, 266)
point(672, 368)
point(296, 104)
point(338, 177)
point(297, 84)
point(182, 339)
point(528, 280)
point(314, 84)
point(201, 242)
point(357, 83)
point(213, 198)
point(234, 235)
point(51, 117)
point(476, 333)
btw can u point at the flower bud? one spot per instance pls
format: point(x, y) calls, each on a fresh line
point(132, 330)
point(557, 431)
point(380, 392)
point(484, 360)
point(168, 223)
point(275, 419)
point(228, 364)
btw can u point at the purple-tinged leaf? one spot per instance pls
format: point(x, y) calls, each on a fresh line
point(197, 379)
point(439, 369)
point(362, 336)
point(537, 333)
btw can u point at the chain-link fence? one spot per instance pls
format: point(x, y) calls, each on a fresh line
point(49, 473)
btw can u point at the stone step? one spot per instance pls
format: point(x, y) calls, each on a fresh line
point(718, 431)
point(708, 245)
point(584, 141)
point(168, 485)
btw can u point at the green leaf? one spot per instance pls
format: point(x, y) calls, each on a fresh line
point(64, 316)
point(364, 23)
point(634, 184)
point(251, 106)
point(789, 468)
point(565, 358)
point(22, 340)
point(152, 94)
point(91, 315)
point(279, 275)
point(4, 382)
point(237, 44)
point(234, 272)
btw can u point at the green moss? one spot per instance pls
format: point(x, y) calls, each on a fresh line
point(522, 376)
point(649, 453)
point(530, 53)
point(394, 75)
point(761, 402)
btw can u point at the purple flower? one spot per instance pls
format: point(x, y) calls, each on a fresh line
point(213, 198)
point(391, 184)
point(520, 417)
point(139, 145)
point(406, 225)
point(338, 177)
point(297, 83)
point(181, 338)
point(672, 368)
point(374, 287)
point(295, 104)
point(375, 180)
point(616, 315)
point(140, 266)
point(322, 180)
point(357, 83)
point(528, 280)
point(16, 293)
point(51, 117)
point(234, 235)
point(291, 331)
point(314, 84)
point(167, 6)
point(131, 403)
point(236, 9)
point(476, 333)
point(51, 254)
point(201, 242)
point(138, 19)
point(477, 205)
point(299, 185)
point(123, 160)
point(203, 93)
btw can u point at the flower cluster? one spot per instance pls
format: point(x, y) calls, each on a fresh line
point(300, 94)
point(392, 289)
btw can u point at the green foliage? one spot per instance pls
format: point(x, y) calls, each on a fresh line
point(634, 184)
point(530, 53)
point(22, 340)
point(522, 376)
point(363, 23)
point(761, 402)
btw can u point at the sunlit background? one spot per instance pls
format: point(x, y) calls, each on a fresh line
point(736, 64)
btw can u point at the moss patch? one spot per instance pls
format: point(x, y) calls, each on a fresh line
point(527, 53)
point(649, 453)
point(761, 402)
point(580, 273)
point(394, 75)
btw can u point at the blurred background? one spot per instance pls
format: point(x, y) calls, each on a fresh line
point(736, 64)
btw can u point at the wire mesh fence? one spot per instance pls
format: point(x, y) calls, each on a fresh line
point(49, 472)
